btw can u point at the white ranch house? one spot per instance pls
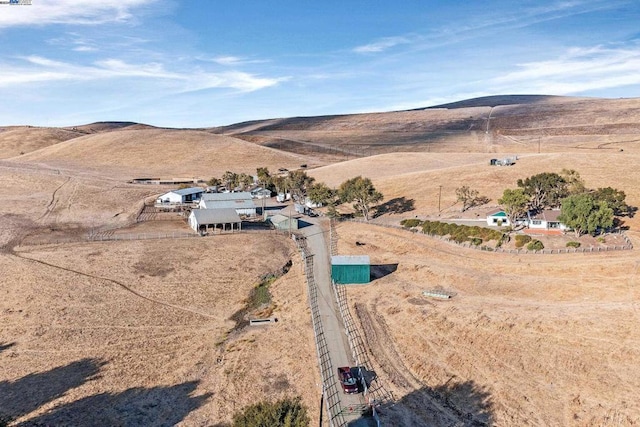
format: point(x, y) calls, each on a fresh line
point(545, 220)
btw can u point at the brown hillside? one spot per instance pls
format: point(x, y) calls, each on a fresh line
point(17, 140)
point(161, 153)
point(494, 124)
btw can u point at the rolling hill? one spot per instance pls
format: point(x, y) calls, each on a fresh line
point(501, 124)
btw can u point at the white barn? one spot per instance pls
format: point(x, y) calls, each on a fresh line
point(183, 195)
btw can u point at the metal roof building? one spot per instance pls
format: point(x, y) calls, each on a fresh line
point(283, 222)
point(183, 195)
point(202, 220)
point(243, 195)
point(241, 206)
point(350, 269)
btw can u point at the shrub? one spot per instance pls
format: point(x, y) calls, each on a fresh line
point(573, 244)
point(410, 223)
point(522, 239)
point(600, 239)
point(285, 412)
point(476, 241)
point(535, 245)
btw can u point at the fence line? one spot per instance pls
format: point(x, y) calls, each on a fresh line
point(520, 251)
point(374, 395)
point(329, 386)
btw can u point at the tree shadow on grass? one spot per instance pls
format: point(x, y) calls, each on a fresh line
point(155, 406)
point(28, 393)
point(398, 205)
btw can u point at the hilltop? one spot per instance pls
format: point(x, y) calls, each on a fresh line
point(498, 124)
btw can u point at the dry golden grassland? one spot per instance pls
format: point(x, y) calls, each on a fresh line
point(161, 153)
point(526, 340)
point(144, 326)
point(139, 332)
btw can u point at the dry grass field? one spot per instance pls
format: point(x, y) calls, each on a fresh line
point(140, 332)
point(527, 340)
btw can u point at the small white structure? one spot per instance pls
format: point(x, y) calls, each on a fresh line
point(202, 220)
point(183, 195)
point(546, 220)
point(498, 218)
point(310, 204)
point(283, 197)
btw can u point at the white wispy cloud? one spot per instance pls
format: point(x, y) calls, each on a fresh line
point(230, 60)
point(578, 70)
point(37, 69)
point(382, 44)
point(84, 12)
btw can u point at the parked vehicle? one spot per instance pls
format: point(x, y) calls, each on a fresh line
point(347, 380)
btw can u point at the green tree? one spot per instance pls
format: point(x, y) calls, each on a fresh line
point(544, 190)
point(230, 180)
point(299, 183)
point(244, 180)
point(264, 176)
point(575, 184)
point(361, 192)
point(614, 198)
point(320, 192)
point(515, 203)
point(213, 182)
point(283, 413)
point(585, 214)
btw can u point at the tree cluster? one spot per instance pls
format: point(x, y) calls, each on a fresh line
point(359, 191)
point(283, 413)
point(585, 210)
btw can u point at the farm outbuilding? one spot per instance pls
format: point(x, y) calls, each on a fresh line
point(283, 222)
point(220, 197)
point(347, 269)
point(241, 206)
point(202, 220)
point(183, 195)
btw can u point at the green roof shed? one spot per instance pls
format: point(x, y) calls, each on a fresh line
point(347, 269)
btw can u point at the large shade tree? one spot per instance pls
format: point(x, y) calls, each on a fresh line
point(544, 190)
point(515, 203)
point(361, 192)
point(585, 214)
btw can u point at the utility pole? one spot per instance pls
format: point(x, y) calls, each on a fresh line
point(439, 197)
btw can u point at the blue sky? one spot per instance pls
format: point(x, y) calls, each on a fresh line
point(201, 63)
